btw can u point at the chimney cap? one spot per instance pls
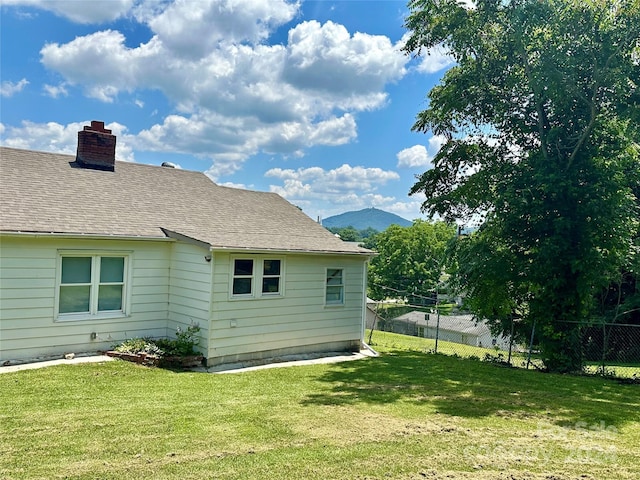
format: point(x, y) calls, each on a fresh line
point(97, 126)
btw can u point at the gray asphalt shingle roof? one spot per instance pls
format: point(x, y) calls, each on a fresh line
point(48, 193)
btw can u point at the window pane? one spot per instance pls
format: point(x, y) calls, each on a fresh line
point(110, 297)
point(334, 276)
point(76, 270)
point(243, 267)
point(334, 294)
point(271, 285)
point(272, 267)
point(74, 299)
point(241, 286)
point(111, 269)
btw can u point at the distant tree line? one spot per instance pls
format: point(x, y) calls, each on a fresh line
point(351, 234)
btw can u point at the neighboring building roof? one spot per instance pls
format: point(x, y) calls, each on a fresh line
point(51, 193)
point(452, 323)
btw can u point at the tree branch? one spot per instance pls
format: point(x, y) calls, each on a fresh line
point(542, 121)
point(593, 111)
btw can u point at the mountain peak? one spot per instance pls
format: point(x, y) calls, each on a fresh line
point(367, 218)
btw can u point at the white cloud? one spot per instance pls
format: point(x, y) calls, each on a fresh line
point(194, 28)
point(321, 192)
point(236, 96)
point(335, 131)
point(436, 59)
point(419, 155)
point(54, 91)
point(94, 12)
point(327, 58)
point(409, 210)
point(241, 186)
point(343, 179)
point(432, 60)
point(100, 61)
point(57, 138)
point(415, 156)
point(8, 89)
point(228, 141)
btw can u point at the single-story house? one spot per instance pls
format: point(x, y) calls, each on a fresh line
point(462, 329)
point(94, 251)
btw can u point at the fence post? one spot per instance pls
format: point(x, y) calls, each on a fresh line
point(375, 320)
point(437, 326)
point(603, 365)
point(510, 342)
point(533, 331)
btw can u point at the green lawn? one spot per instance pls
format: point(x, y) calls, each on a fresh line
point(404, 415)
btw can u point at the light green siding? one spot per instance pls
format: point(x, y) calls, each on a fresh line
point(189, 290)
point(172, 284)
point(28, 271)
point(297, 320)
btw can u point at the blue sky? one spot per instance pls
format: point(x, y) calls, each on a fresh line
point(312, 100)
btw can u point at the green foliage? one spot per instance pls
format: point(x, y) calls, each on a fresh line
point(410, 259)
point(139, 345)
point(542, 120)
point(350, 234)
point(183, 345)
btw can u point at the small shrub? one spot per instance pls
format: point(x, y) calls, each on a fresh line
point(496, 359)
point(139, 345)
point(184, 345)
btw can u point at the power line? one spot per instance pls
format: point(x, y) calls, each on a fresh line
point(406, 293)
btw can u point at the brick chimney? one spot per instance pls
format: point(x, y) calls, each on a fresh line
point(96, 147)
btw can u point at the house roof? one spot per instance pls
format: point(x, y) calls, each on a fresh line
point(50, 193)
point(453, 323)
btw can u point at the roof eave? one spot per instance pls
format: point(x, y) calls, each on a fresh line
point(92, 236)
point(368, 254)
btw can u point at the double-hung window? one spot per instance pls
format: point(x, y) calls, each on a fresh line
point(243, 276)
point(271, 272)
point(253, 277)
point(92, 285)
point(334, 293)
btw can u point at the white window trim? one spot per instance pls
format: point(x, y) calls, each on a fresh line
point(93, 313)
point(233, 276)
point(280, 291)
point(256, 278)
point(344, 290)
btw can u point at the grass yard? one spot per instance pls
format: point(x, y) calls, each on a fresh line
point(428, 345)
point(404, 415)
point(518, 358)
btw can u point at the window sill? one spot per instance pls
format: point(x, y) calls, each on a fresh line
point(265, 296)
point(83, 317)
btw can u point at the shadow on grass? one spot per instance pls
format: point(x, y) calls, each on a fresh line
point(469, 388)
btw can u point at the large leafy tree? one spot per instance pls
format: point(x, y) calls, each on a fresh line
point(542, 114)
point(410, 260)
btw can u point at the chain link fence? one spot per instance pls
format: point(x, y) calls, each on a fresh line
point(608, 349)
